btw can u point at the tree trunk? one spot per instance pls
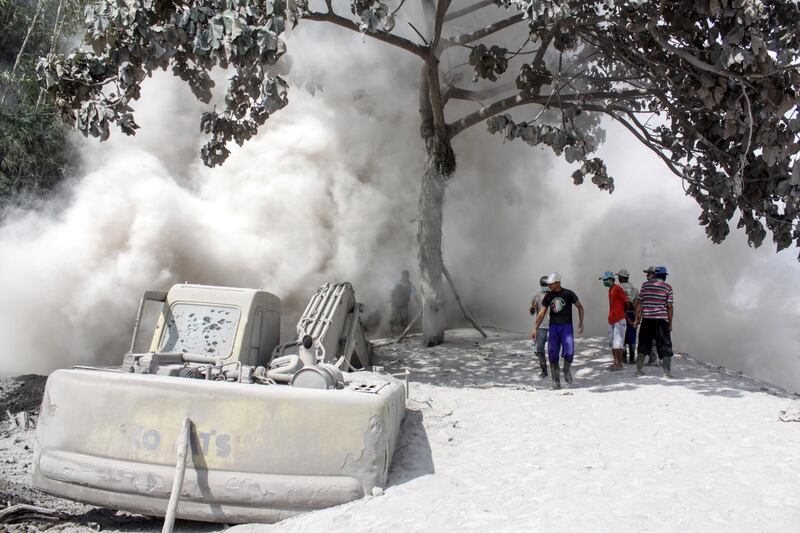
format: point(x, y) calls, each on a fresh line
point(58, 24)
point(429, 249)
point(22, 47)
point(440, 164)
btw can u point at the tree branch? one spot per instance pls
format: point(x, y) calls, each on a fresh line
point(402, 2)
point(695, 61)
point(641, 135)
point(434, 88)
point(646, 142)
point(520, 99)
point(424, 40)
point(12, 76)
point(380, 35)
point(458, 93)
point(441, 9)
point(481, 33)
point(467, 10)
point(543, 48)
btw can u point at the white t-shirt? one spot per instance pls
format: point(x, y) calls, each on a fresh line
point(630, 290)
point(536, 303)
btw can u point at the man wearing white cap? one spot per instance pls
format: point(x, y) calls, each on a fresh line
point(560, 338)
point(630, 289)
point(630, 313)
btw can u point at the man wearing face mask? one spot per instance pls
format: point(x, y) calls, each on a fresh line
point(541, 332)
point(616, 319)
point(560, 337)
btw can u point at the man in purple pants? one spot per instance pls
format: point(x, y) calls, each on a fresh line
point(558, 302)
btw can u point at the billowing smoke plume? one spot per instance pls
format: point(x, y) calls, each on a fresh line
point(328, 191)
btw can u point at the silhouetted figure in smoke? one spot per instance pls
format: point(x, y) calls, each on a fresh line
point(541, 332)
point(616, 319)
point(402, 293)
point(654, 312)
point(560, 338)
point(632, 292)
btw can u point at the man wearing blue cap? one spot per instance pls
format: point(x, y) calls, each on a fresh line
point(616, 319)
point(654, 312)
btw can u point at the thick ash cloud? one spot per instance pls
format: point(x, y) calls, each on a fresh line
point(328, 191)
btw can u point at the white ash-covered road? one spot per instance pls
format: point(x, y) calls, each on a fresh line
point(487, 447)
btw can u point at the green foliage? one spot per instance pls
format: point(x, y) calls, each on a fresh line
point(34, 153)
point(721, 79)
point(489, 63)
point(712, 87)
point(571, 141)
point(129, 40)
point(374, 15)
point(531, 78)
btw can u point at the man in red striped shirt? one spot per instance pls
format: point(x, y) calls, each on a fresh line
point(654, 312)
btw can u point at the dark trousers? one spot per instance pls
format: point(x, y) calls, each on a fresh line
point(399, 319)
point(654, 329)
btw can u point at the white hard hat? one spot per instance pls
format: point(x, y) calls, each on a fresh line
point(554, 277)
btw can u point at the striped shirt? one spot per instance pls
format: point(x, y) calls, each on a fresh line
point(655, 295)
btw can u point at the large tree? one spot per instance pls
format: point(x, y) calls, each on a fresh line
point(710, 86)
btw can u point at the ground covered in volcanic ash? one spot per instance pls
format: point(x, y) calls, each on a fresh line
point(486, 446)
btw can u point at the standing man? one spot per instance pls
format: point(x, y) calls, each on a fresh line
point(654, 312)
point(541, 332)
point(649, 272)
point(632, 292)
point(401, 294)
point(560, 337)
point(630, 289)
point(616, 319)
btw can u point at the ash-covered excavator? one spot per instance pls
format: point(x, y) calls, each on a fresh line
point(269, 430)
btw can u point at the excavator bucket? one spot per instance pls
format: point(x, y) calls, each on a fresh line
point(258, 453)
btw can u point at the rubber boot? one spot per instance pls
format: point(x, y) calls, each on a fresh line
point(567, 372)
point(639, 363)
point(543, 366)
point(651, 359)
point(631, 354)
point(666, 364)
point(556, 378)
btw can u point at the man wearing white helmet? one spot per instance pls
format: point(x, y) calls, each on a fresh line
point(560, 337)
point(630, 313)
point(541, 335)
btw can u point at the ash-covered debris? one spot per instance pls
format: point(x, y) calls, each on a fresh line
point(21, 394)
point(789, 416)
